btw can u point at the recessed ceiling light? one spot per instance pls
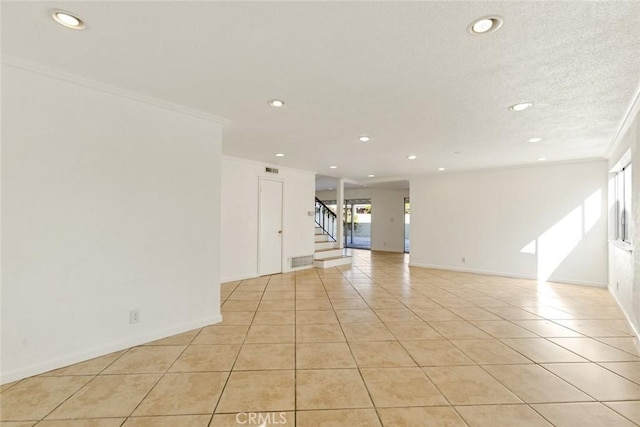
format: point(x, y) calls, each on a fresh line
point(67, 19)
point(371, 175)
point(276, 103)
point(333, 167)
point(486, 24)
point(364, 138)
point(542, 159)
point(279, 155)
point(535, 139)
point(441, 169)
point(522, 106)
point(412, 157)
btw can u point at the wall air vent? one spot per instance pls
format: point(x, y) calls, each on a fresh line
point(301, 261)
point(271, 170)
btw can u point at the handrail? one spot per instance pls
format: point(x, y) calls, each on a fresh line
point(326, 219)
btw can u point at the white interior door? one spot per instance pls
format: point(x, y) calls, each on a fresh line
point(270, 256)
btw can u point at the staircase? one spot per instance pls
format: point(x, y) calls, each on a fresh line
point(327, 253)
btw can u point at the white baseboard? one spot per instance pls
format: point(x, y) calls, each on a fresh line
point(238, 277)
point(508, 274)
point(626, 315)
point(104, 349)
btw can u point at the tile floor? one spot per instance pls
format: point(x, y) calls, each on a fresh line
point(369, 345)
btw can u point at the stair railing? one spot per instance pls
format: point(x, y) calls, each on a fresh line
point(326, 219)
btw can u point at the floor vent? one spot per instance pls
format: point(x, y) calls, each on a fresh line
point(301, 261)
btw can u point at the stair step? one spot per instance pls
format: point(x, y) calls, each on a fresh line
point(322, 238)
point(325, 245)
point(328, 253)
point(333, 261)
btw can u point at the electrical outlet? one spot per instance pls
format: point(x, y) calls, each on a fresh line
point(463, 260)
point(134, 316)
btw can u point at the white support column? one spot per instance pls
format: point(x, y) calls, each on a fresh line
point(340, 212)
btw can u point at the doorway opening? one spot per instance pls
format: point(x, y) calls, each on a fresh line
point(407, 223)
point(357, 223)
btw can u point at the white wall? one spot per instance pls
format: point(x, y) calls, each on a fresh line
point(109, 204)
point(624, 267)
point(387, 215)
point(537, 222)
point(239, 250)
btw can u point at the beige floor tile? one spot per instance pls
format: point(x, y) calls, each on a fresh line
point(96, 422)
point(271, 334)
point(279, 296)
point(220, 334)
point(274, 318)
point(203, 358)
point(630, 410)
point(594, 350)
point(397, 315)
point(239, 306)
point(501, 416)
point(313, 304)
point(257, 419)
point(489, 352)
point(277, 305)
point(401, 387)
point(169, 421)
point(343, 294)
point(319, 333)
point(628, 344)
point(184, 338)
point(107, 396)
point(90, 367)
point(512, 313)
point(458, 330)
point(262, 357)
point(596, 381)
point(547, 328)
point(534, 384)
point(184, 394)
point(308, 294)
point(323, 355)
point(591, 328)
point(385, 303)
point(503, 329)
point(314, 317)
point(367, 332)
point(331, 389)
point(349, 303)
point(6, 386)
point(436, 353)
point(258, 391)
point(17, 423)
point(146, 360)
point(258, 287)
point(469, 385)
point(33, 398)
point(629, 370)
point(473, 313)
point(231, 318)
point(338, 418)
point(380, 354)
point(357, 316)
point(413, 331)
point(434, 314)
point(581, 414)
point(436, 416)
point(239, 295)
point(540, 350)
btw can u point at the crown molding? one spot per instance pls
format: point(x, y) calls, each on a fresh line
point(21, 64)
point(628, 117)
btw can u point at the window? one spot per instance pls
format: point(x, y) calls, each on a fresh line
point(622, 183)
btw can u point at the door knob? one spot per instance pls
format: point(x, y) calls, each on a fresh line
point(279, 231)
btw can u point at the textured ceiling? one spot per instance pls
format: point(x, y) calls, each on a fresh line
point(406, 73)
